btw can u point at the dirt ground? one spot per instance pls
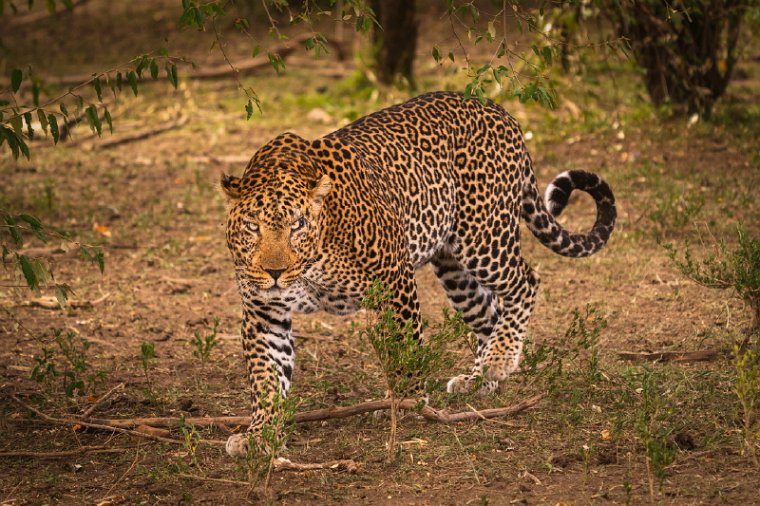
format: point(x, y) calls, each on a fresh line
point(153, 207)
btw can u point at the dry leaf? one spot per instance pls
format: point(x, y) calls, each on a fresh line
point(102, 230)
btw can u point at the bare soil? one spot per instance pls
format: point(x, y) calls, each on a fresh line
point(153, 207)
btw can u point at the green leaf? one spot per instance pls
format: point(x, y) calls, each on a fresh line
point(107, 116)
point(16, 77)
point(14, 231)
point(29, 272)
point(29, 129)
point(276, 61)
point(436, 54)
point(171, 74)
point(62, 292)
point(132, 78)
point(36, 225)
point(94, 119)
point(153, 69)
point(17, 124)
point(249, 110)
point(256, 51)
point(43, 120)
point(119, 80)
point(98, 88)
point(64, 111)
point(10, 136)
point(50, 4)
point(54, 127)
point(547, 53)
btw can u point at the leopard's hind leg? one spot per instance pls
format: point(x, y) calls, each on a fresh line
point(497, 312)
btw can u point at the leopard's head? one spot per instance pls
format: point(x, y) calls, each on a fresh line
point(273, 225)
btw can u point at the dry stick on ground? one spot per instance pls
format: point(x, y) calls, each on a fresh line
point(49, 302)
point(317, 415)
point(670, 356)
point(33, 17)
point(65, 453)
point(111, 428)
point(252, 64)
point(140, 134)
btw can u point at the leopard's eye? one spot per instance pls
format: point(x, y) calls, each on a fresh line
point(298, 224)
point(252, 227)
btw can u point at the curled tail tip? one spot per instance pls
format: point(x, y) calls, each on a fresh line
point(558, 192)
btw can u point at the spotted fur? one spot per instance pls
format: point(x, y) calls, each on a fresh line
point(437, 179)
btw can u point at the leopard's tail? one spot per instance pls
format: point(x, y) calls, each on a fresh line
point(540, 213)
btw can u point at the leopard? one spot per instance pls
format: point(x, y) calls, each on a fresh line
point(440, 179)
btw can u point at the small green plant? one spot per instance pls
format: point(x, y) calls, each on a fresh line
point(407, 365)
point(204, 344)
point(582, 335)
point(738, 269)
point(44, 369)
point(675, 209)
point(747, 389)
point(69, 362)
point(651, 425)
point(191, 440)
point(584, 331)
point(147, 359)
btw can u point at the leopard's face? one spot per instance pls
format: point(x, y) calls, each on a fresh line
point(273, 228)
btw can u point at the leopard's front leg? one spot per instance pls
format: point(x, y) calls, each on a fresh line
point(269, 356)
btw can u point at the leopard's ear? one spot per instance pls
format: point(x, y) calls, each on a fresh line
point(320, 189)
point(231, 186)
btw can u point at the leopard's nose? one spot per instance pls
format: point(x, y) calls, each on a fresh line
point(275, 273)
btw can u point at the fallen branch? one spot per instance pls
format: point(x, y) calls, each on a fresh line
point(140, 134)
point(317, 415)
point(669, 356)
point(63, 454)
point(283, 464)
point(242, 67)
point(49, 302)
point(33, 17)
point(72, 422)
point(250, 65)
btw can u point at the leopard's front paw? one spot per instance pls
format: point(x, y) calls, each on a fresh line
point(460, 384)
point(237, 445)
point(466, 383)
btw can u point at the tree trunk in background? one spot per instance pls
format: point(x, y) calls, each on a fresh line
point(395, 40)
point(688, 49)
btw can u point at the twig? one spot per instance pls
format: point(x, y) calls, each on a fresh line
point(283, 464)
point(62, 454)
point(467, 457)
point(132, 466)
point(215, 480)
point(86, 413)
point(318, 415)
point(670, 356)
